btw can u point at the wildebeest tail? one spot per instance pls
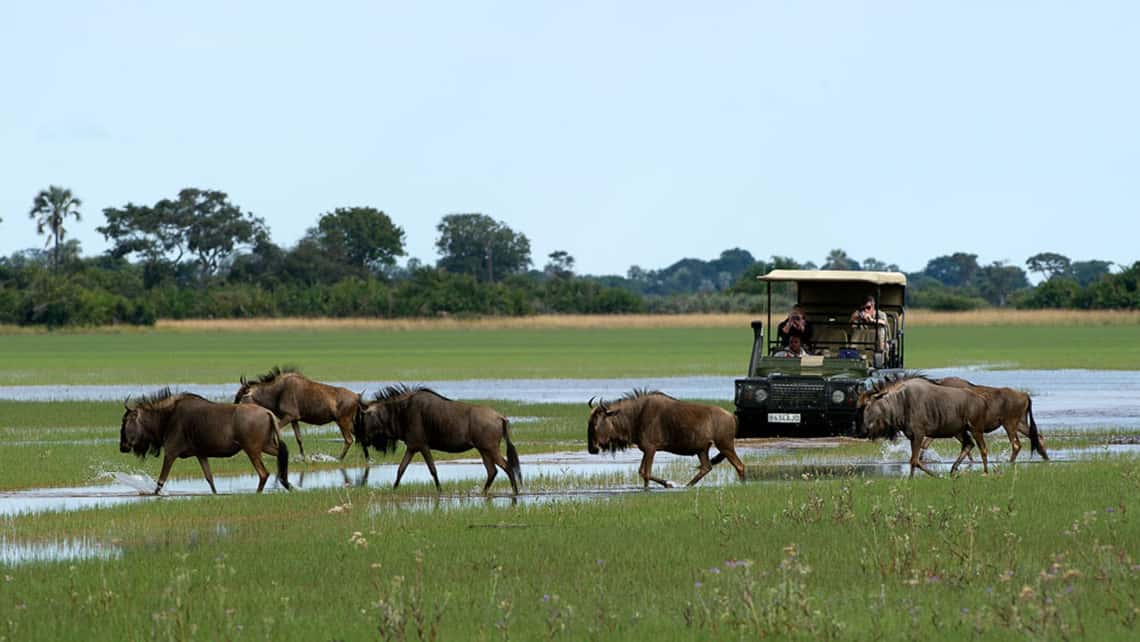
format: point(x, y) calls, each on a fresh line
point(512, 454)
point(1034, 436)
point(282, 453)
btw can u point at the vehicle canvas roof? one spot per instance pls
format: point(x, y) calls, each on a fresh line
point(836, 276)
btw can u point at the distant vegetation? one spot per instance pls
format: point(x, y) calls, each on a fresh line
point(199, 255)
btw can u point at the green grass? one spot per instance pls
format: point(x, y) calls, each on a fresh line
point(1043, 552)
point(158, 357)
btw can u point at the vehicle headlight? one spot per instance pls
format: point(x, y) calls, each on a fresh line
point(759, 394)
point(837, 396)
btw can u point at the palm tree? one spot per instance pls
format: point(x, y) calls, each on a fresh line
point(50, 208)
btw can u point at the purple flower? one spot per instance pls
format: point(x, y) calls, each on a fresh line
point(697, 584)
point(714, 570)
point(1110, 509)
point(546, 598)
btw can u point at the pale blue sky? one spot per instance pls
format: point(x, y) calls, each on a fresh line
point(622, 132)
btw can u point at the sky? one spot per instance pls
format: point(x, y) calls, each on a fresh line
point(625, 133)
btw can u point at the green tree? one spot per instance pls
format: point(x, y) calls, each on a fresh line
point(560, 265)
point(1088, 272)
point(997, 281)
point(361, 238)
point(478, 245)
point(1049, 264)
point(202, 224)
point(955, 270)
point(49, 209)
point(838, 260)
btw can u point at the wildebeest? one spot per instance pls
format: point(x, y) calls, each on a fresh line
point(920, 408)
point(294, 397)
point(1008, 408)
point(652, 421)
point(425, 421)
point(186, 425)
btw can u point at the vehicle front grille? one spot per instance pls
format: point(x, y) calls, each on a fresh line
point(797, 394)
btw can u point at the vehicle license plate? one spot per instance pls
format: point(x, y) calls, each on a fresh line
point(783, 417)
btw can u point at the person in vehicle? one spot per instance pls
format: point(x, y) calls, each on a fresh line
point(868, 314)
point(796, 323)
point(794, 349)
point(870, 325)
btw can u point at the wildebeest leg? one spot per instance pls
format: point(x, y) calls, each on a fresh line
point(704, 469)
point(426, 452)
point(1014, 441)
point(489, 464)
point(345, 424)
point(729, 453)
point(647, 469)
point(167, 462)
point(206, 471)
point(297, 434)
point(980, 437)
point(916, 457)
point(259, 466)
point(403, 466)
point(501, 461)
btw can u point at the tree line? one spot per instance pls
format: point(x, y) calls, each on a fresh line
point(199, 255)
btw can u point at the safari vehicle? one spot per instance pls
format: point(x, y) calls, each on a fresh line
point(815, 395)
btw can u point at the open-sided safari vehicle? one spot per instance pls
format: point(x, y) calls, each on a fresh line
point(815, 395)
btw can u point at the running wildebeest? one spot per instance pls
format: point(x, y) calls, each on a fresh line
point(920, 408)
point(186, 425)
point(1008, 408)
point(294, 398)
point(425, 421)
point(653, 421)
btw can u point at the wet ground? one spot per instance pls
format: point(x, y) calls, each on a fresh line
point(565, 476)
point(1061, 398)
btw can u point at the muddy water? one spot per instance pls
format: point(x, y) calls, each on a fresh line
point(1075, 399)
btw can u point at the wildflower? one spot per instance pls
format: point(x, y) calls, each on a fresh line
point(714, 570)
point(546, 598)
point(601, 562)
point(697, 584)
point(965, 611)
point(1027, 592)
point(1110, 509)
point(1069, 588)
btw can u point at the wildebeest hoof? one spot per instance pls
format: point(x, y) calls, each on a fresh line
point(669, 484)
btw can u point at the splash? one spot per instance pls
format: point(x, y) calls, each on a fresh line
point(142, 483)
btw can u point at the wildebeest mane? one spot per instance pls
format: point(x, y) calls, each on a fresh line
point(275, 372)
point(390, 393)
point(163, 399)
point(638, 393)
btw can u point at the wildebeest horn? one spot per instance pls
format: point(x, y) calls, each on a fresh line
point(590, 403)
point(243, 381)
point(127, 402)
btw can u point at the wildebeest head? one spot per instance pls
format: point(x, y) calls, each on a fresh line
point(878, 416)
point(245, 392)
point(374, 425)
point(601, 432)
point(138, 434)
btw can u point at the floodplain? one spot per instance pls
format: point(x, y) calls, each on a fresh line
point(827, 539)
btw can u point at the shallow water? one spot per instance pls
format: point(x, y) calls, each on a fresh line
point(1076, 399)
point(14, 553)
point(605, 476)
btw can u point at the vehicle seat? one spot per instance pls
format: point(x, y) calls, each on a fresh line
point(826, 340)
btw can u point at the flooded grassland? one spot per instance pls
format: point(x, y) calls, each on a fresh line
point(827, 538)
